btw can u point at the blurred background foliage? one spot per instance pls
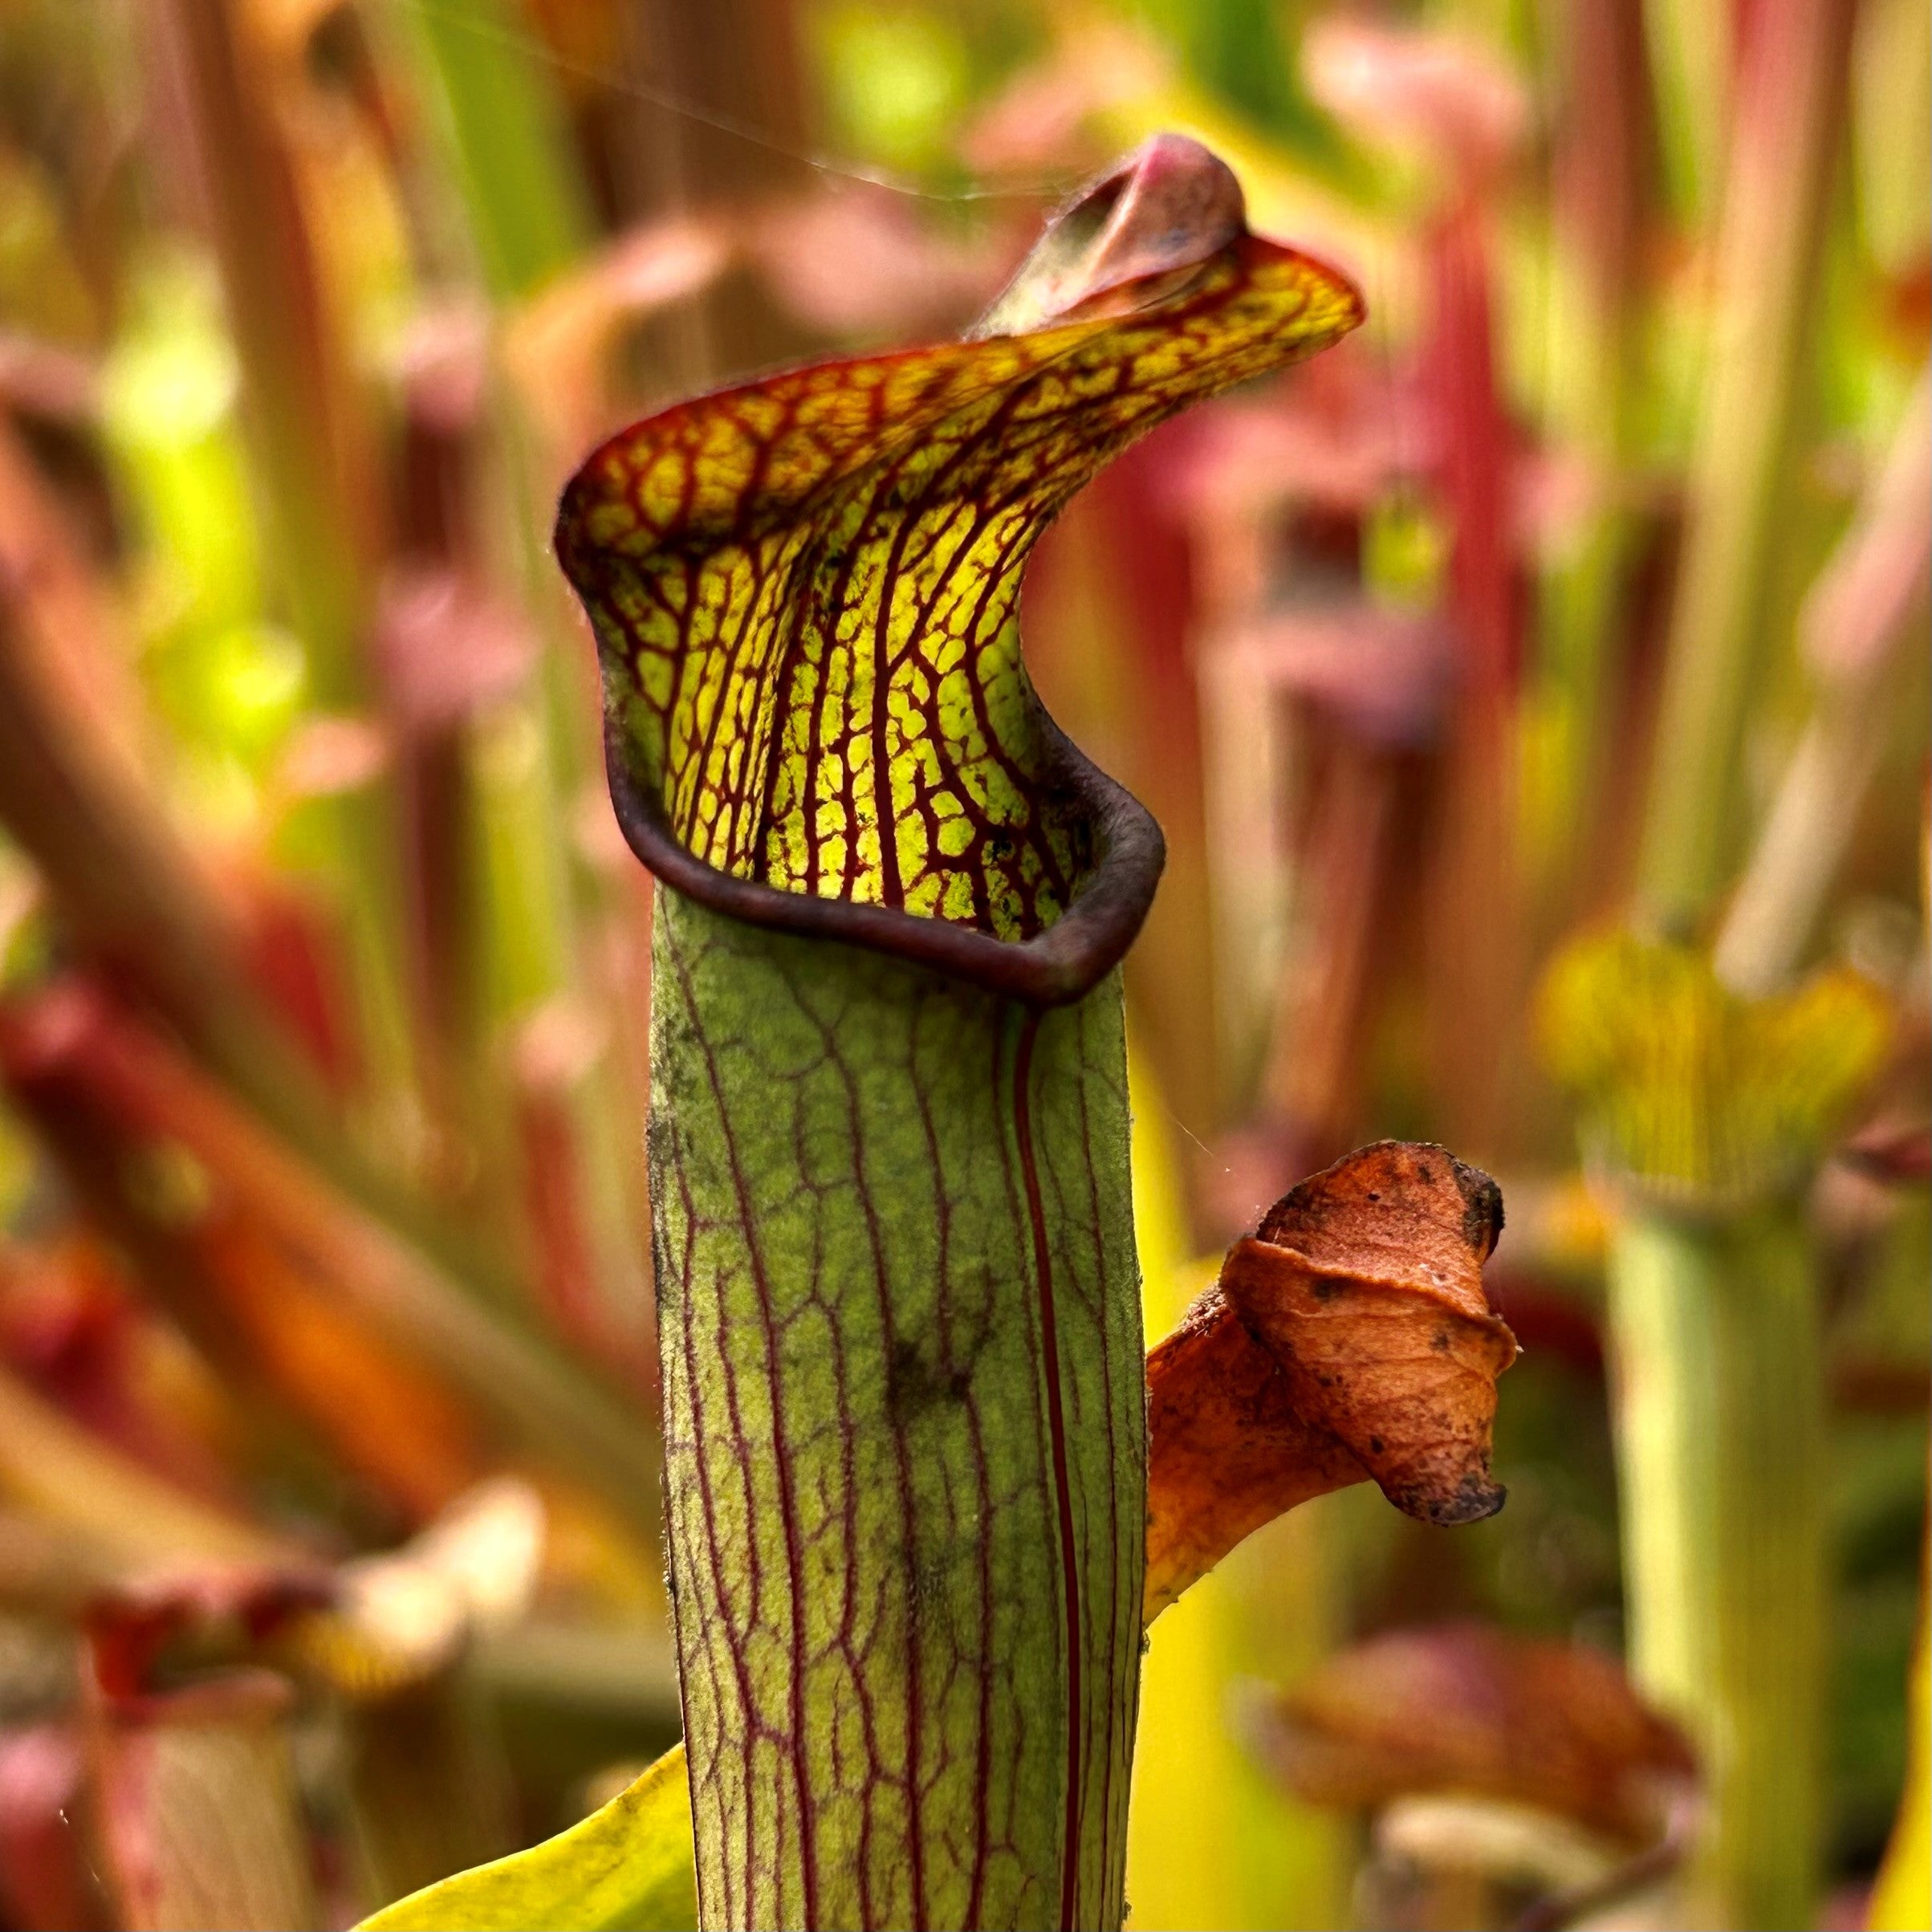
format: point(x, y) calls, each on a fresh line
point(1584, 590)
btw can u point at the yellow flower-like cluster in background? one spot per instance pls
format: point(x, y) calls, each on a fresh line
point(1694, 1094)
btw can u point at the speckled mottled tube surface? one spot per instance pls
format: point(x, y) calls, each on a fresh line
point(905, 1452)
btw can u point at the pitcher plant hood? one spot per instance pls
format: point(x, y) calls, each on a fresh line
point(817, 717)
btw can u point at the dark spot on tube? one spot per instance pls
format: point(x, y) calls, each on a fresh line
point(914, 1384)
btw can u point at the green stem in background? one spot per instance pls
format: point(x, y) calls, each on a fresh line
point(316, 478)
point(314, 475)
point(1705, 1113)
point(1691, 57)
point(1789, 125)
point(899, 1306)
point(1720, 1449)
point(1716, 1313)
point(506, 136)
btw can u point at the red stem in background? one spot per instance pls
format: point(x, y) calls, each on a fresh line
point(1475, 926)
point(1474, 451)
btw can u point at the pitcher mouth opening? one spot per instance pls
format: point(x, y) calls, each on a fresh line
point(1059, 965)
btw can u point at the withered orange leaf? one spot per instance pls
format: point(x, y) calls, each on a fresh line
point(1350, 1337)
point(1464, 1709)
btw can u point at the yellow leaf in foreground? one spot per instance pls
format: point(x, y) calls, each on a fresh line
point(626, 1867)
